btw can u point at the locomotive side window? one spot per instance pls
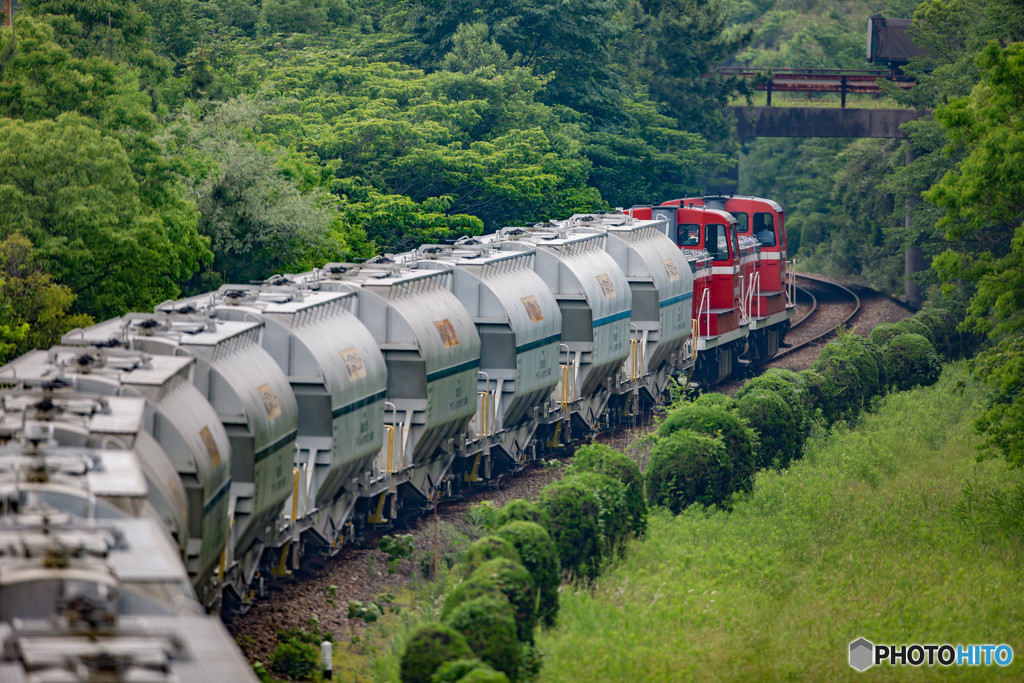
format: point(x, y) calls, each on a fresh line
point(764, 229)
point(717, 241)
point(688, 235)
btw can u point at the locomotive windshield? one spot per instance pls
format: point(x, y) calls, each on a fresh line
point(764, 229)
point(688, 235)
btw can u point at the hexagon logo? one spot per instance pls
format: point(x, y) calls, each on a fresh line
point(862, 654)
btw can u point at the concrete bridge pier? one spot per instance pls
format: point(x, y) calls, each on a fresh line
point(913, 258)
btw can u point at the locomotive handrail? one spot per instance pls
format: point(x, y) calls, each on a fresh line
point(744, 313)
point(755, 288)
point(705, 297)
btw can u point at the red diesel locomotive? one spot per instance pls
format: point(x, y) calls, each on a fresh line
point(743, 284)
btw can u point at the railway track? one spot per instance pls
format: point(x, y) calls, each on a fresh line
point(829, 305)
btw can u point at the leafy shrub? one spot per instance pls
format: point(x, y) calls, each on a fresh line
point(804, 397)
point(913, 325)
point(713, 398)
point(397, 548)
point(739, 440)
point(866, 357)
point(687, 467)
point(296, 658)
point(500, 576)
point(483, 515)
point(467, 671)
point(539, 557)
point(488, 623)
point(821, 396)
point(520, 510)
point(608, 461)
point(869, 358)
point(613, 515)
point(430, 646)
point(780, 438)
point(487, 548)
point(882, 333)
point(842, 383)
point(948, 340)
point(573, 512)
point(912, 361)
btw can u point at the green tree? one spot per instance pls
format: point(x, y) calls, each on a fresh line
point(70, 189)
point(984, 195)
point(35, 310)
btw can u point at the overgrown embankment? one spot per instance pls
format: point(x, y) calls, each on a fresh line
point(892, 531)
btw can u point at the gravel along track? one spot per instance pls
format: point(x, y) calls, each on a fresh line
point(361, 572)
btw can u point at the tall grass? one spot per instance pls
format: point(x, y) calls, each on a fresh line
point(892, 531)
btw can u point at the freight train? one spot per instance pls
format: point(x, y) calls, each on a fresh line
point(260, 423)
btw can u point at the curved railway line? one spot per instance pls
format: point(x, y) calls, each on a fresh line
point(830, 305)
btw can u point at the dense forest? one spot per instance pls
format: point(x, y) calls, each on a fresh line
point(151, 148)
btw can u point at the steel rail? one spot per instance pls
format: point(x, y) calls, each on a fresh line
point(856, 309)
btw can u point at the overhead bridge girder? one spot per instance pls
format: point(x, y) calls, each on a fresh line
point(821, 122)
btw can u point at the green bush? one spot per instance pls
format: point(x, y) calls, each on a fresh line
point(573, 512)
point(948, 340)
point(804, 397)
point(912, 361)
point(739, 440)
point(520, 510)
point(613, 515)
point(467, 671)
point(430, 646)
point(843, 383)
point(488, 623)
point(502, 577)
point(865, 356)
point(820, 395)
point(606, 460)
point(780, 437)
point(296, 658)
point(913, 325)
point(484, 549)
point(713, 398)
point(883, 332)
point(539, 556)
point(869, 358)
point(687, 467)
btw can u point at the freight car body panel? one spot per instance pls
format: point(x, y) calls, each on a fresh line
point(432, 351)
point(339, 379)
point(662, 288)
point(520, 328)
point(596, 303)
point(252, 399)
point(182, 422)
